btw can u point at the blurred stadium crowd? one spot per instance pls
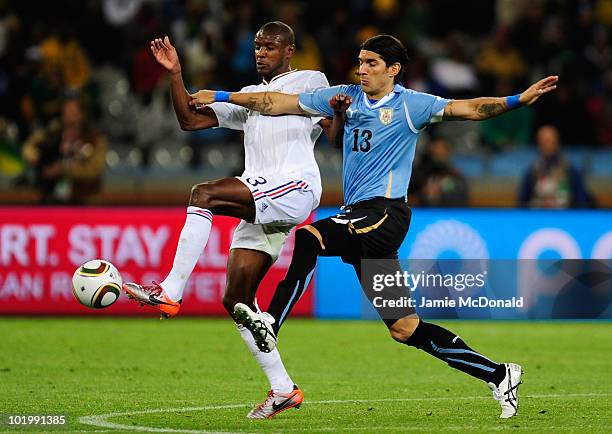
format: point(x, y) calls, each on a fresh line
point(85, 111)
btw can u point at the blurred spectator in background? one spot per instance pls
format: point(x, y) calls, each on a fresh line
point(100, 48)
point(146, 74)
point(552, 181)
point(527, 30)
point(120, 12)
point(338, 53)
point(598, 53)
point(414, 22)
point(60, 65)
point(566, 110)
point(67, 158)
point(242, 60)
point(11, 163)
point(43, 99)
point(417, 72)
point(511, 130)
point(435, 181)
point(14, 75)
point(500, 60)
point(63, 51)
point(453, 73)
point(307, 55)
point(603, 11)
point(599, 107)
point(385, 13)
point(198, 140)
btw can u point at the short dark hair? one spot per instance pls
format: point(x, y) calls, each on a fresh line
point(391, 50)
point(281, 29)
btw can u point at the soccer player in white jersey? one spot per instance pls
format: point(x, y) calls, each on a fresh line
point(382, 121)
point(278, 190)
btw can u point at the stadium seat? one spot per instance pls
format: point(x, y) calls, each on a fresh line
point(470, 165)
point(513, 163)
point(601, 163)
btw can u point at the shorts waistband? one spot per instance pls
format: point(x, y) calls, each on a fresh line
point(379, 200)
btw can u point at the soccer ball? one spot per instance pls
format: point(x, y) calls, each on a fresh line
point(96, 284)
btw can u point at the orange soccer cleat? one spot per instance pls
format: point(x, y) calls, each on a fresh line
point(153, 295)
point(276, 402)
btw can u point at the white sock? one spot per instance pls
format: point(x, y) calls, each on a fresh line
point(192, 240)
point(271, 363)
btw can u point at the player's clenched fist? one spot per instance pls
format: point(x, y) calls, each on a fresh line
point(340, 102)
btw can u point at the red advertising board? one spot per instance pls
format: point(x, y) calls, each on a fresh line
point(40, 247)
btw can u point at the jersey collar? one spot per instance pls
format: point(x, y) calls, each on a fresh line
point(396, 89)
point(278, 76)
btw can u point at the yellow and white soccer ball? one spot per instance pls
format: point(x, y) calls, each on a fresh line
point(96, 284)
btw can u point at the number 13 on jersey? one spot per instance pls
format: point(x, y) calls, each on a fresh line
point(365, 145)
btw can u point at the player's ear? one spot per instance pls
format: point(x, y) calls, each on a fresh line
point(394, 69)
point(289, 50)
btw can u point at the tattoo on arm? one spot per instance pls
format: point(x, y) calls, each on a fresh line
point(264, 105)
point(476, 109)
point(449, 113)
point(489, 110)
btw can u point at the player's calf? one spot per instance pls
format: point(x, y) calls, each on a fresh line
point(290, 289)
point(502, 378)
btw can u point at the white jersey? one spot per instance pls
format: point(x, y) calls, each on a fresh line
point(278, 145)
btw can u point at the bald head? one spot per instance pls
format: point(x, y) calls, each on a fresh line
point(274, 47)
point(281, 30)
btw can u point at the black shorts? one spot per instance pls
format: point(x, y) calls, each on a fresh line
point(370, 230)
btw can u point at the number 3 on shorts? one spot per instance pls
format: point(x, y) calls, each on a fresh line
point(256, 181)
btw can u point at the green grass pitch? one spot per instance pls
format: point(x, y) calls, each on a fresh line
point(195, 375)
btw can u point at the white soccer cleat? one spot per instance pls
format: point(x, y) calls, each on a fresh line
point(259, 324)
point(276, 402)
point(507, 392)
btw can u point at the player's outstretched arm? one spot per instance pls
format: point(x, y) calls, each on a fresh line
point(188, 118)
point(478, 109)
point(269, 103)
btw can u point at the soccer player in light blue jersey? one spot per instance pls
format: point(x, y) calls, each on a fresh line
point(380, 122)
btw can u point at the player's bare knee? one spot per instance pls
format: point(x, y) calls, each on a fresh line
point(202, 195)
point(399, 334)
point(403, 328)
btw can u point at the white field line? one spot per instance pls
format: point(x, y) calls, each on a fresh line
point(101, 421)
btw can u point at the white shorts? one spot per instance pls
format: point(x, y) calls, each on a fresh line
point(281, 203)
point(269, 239)
point(280, 198)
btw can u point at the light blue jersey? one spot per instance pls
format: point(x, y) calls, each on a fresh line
point(379, 137)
